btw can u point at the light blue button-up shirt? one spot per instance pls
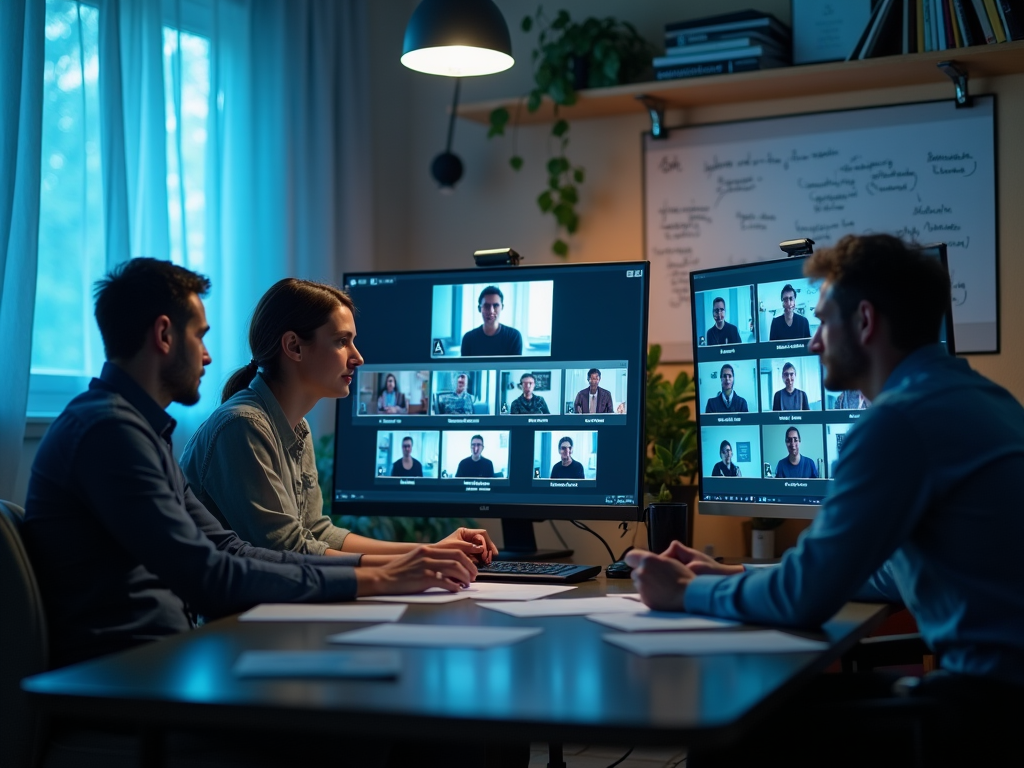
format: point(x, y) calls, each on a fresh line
point(925, 510)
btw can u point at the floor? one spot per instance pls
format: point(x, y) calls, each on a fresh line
point(581, 756)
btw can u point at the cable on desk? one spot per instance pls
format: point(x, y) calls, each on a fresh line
point(558, 533)
point(628, 753)
point(584, 527)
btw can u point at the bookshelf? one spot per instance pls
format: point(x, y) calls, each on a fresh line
point(785, 82)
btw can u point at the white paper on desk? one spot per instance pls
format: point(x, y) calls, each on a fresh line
point(706, 643)
point(658, 621)
point(314, 612)
point(583, 606)
point(433, 596)
point(362, 665)
point(490, 590)
point(435, 636)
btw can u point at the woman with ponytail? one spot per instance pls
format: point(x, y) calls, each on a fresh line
point(252, 463)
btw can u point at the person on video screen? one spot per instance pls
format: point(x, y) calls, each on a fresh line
point(593, 399)
point(721, 332)
point(726, 401)
point(528, 402)
point(789, 325)
point(725, 468)
point(790, 398)
point(491, 338)
point(851, 400)
point(475, 465)
point(795, 465)
point(389, 399)
point(459, 401)
point(568, 467)
point(407, 466)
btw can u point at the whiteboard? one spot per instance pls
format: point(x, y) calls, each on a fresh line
point(717, 195)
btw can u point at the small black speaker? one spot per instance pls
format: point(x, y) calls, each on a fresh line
point(666, 523)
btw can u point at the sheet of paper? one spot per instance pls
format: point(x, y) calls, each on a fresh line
point(435, 636)
point(656, 621)
point(490, 590)
point(583, 606)
point(363, 665)
point(706, 643)
point(479, 590)
point(312, 612)
point(434, 596)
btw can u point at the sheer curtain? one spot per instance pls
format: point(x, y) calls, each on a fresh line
point(21, 114)
point(288, 164)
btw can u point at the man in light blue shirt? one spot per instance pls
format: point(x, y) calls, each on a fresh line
point(939, 534)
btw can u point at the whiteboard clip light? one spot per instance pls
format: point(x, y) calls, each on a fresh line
point(656, 109)
point(959, 78)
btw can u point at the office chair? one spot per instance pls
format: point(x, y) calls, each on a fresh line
point(23, 641)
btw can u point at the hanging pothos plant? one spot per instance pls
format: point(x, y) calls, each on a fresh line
point(568, 57)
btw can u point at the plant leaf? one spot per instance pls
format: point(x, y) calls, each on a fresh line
point(560, 128)
point(516, 162)
point(578, 175)
point(545, 201)
point(560, 248)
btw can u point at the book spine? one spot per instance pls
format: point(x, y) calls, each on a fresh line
point(958, 38)
point(929, 42)
point(995, 21)
point(675, 39)
point(699, 58)
point(963, 15)
point(947, 23)
point(920, 20)
point(1014, 21)
point(986, 28)
point(713, 68)
point(940, 27)
point(907, 21)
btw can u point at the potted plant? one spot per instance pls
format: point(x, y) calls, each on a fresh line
point(671, 434)
point(570, 56)
point(422, 530)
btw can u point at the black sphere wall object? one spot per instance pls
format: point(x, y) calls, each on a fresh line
point(446, 170)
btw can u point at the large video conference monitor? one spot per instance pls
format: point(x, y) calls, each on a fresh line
point(770, 432)
point(508, 392)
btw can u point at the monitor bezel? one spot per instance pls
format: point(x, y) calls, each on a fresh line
point(510, 511)
point(771, 509)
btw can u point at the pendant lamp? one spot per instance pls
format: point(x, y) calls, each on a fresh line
point(457, 38)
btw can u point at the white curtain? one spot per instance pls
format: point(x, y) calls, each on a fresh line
point(288, 173)
point(21, 115)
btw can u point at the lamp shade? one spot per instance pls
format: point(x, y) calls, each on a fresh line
point(457, 38)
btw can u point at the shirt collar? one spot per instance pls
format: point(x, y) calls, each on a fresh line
point(292, 439)
point(116, 380)
point(915, 363)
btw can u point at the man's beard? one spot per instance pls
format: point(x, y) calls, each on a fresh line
point(182, 384)
point(846, 361)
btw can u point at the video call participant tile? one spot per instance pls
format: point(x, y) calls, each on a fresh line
point(462, 392)
point(725, 316)
point(786, 310)
point(500, 319)
point(595, 390)
point(790, 384)
point(475, 456)
point(529, 392)
point(847, 400)
point(835, 434)
point(393, 393)
point(794, 452)
point(406, 457)
point(728, 388)
point(564, 458)
point(730, 451)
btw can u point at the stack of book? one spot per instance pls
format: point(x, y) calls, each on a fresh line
point(910, 26)
point(732, 42)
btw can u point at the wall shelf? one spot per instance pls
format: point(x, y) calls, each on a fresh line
point(784, 82)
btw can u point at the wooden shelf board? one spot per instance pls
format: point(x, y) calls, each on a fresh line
point(784, 82)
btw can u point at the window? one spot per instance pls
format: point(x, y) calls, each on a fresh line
point(66, 346)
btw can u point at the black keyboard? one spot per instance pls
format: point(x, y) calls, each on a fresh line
point(507, 570)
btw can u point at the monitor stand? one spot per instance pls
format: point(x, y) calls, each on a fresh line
point(521, 544)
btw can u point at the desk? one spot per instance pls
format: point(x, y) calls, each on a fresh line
point(565, 685)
